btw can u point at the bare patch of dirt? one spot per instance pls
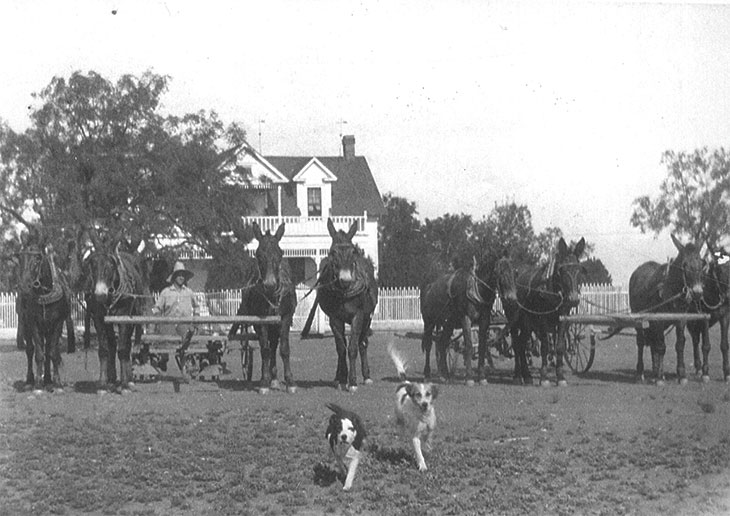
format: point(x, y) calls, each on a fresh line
point(602, 445)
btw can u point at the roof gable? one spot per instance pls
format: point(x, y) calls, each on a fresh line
point(250, 168)
point(314, 168)
point(355, 190)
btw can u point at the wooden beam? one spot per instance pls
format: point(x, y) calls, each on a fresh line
point(632, 319)
point(211, 319)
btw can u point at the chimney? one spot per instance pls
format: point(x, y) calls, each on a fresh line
point(348, 146)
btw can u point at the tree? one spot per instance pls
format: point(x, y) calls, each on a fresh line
point(507, 229)
point(595, 272)
point(402, 245)
point(693, 200)
point(100, 154)
point(449, 237)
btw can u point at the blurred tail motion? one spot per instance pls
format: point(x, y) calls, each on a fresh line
point(398, 360)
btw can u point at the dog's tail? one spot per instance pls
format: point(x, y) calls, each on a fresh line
point(398, 360)
point(335, 408)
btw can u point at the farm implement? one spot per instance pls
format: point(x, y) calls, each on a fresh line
point(198, 349)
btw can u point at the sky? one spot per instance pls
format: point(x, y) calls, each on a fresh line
point(565, 107)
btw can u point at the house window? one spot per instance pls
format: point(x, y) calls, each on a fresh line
point(314, 202)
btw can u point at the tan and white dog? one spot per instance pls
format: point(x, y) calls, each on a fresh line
point(345, 434)
point(414, 410)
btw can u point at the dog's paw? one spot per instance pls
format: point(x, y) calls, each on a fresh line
point(422, 467)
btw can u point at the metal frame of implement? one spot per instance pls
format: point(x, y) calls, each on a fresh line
point(584, 357)
point(181, 351)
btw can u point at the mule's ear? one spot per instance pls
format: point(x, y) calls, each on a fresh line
point(562, 247)
point(280, 231)
point(677, 243)
point(580, 247)
point(331, 228)
point(351, 232)
point(257, 231)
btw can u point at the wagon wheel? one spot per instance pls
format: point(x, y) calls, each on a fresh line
point(580, 347)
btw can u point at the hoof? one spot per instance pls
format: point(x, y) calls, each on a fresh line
point(274, 384)
point(341, 386)
point(483, 382)
point(37, 392)
point(292, 389)
point(470, 383)
point(263, 390)
point(352, 389)
point(546, 383)
point(126, 392)
point(368, 381)
point(660, 383)
point(640, 379)
point(58, 390)
point(562, 383)
point(705, 378)
point(683, 381)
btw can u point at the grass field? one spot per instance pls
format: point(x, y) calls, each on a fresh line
point(602, 445)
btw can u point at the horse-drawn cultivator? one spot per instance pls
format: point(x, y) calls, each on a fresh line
point(200, 351)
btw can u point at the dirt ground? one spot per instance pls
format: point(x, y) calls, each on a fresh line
point(602, 445)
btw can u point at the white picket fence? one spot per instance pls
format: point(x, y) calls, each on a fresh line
point(398, 308)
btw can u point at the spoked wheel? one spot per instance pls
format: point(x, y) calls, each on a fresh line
point(580, 348)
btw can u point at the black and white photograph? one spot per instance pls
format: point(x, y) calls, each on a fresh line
point(352, 257)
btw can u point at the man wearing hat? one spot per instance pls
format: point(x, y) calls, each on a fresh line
point(177, 300)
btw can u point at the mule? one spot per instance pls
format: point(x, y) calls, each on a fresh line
point(459, 299)
point(116, 285)
point(544, 293)
point(270, 292)
point(676, 287)
point(46, 304)
point(347, 292)
point(716, 302)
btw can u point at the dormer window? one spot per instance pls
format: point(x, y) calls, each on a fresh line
point(314, 202)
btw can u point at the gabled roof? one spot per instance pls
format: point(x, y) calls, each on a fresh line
point(354, 191)
point(314, 162)
point(231, 161)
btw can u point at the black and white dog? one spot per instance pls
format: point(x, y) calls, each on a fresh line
point(345, 434)
point(414, 410)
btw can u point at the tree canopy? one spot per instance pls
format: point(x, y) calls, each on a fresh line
point(693, 200)
point(101, 154)
point(412, 252)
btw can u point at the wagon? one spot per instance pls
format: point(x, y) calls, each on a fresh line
point(199, 353)
point(580, 349)
point(582, 335)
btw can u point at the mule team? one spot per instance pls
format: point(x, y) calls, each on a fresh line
point(533, 299)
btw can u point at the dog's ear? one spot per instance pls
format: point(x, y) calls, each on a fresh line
point(410, 389)
point(434, 392)
point(360, 434)
point(332, 430)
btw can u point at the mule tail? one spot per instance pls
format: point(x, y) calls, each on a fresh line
point(398, 360)
point(310, 319)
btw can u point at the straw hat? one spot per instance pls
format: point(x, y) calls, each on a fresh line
point(178, 269)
